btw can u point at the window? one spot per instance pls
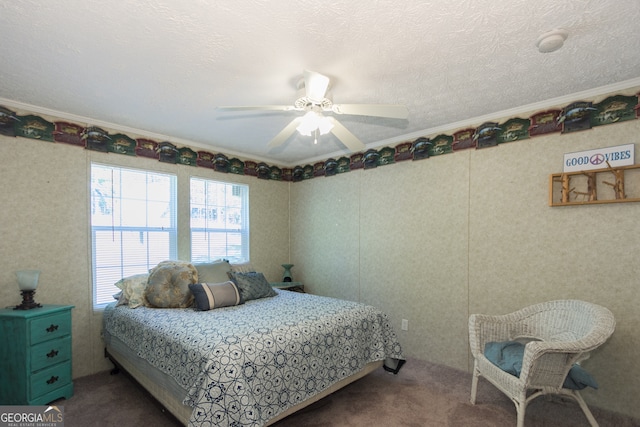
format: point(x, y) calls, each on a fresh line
point(133, 225)
point(219, 221)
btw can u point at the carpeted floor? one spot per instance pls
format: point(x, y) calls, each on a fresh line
point(422, 394)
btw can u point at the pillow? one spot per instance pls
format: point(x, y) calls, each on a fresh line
point(578, 378)
point(215, 295)
point(252, 285)
point(213, 272)
point(178, 265)
point(508, 356)
point(245, 267)
point(168, 285)
point(133, 290)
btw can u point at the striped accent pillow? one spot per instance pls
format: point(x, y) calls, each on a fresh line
point(215, 295)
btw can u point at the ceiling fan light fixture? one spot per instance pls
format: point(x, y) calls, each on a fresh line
point(313, 121)
point(324, 125)
point(313, 99)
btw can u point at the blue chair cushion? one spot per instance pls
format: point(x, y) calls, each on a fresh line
point(508, 355)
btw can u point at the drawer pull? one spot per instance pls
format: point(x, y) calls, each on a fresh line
point(52, 328)
point(52, 380)
point(52, 353)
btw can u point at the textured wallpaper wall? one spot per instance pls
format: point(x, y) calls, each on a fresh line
point(44, 220)
point(472, 232)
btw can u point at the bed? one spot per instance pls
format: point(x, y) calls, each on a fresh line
point(250, 364)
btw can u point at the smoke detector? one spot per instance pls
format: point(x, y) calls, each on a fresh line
point(551, 40)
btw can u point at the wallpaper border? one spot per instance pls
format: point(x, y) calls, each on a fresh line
point(574, 117)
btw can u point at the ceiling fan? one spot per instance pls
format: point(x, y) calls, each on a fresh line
point(314, 100)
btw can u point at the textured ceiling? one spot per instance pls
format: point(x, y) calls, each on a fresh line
point(163, 66)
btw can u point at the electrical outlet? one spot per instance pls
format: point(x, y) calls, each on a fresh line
point(405, 325)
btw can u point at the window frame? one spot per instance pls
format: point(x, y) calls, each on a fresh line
point(100, 295)
point(243, 231)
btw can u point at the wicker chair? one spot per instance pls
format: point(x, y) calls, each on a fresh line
point(562, 333)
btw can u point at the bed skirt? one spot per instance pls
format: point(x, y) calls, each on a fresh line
point(183, 412)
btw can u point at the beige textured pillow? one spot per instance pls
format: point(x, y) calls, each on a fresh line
point(245, 267)
point(168, 285)
point(133, 288)
point(213, 272)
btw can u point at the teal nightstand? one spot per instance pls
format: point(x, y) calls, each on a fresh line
point(290, 286)
point(35, 355)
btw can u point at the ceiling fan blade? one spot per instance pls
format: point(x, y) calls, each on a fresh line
point(285, 133)
point(257, 107)
point(344, 135)
point(379, 110)
point(315, 85)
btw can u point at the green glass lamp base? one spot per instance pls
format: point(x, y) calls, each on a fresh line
point(286, 276)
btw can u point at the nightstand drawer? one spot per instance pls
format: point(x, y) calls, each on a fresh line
point(49, 379)
point(49, 327)
point(50, 352)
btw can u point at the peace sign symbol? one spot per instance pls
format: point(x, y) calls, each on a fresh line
point(596, 159)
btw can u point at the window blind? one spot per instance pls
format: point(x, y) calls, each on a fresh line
point(219, 221)
point(133, 225)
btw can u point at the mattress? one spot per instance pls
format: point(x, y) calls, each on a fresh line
point(249, 364)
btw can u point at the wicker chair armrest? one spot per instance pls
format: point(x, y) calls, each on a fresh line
point(580, 346)
point(541, 347)
point(550, 361)
point(485, 328)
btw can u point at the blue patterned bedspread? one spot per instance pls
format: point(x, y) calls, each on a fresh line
point(244, 365)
